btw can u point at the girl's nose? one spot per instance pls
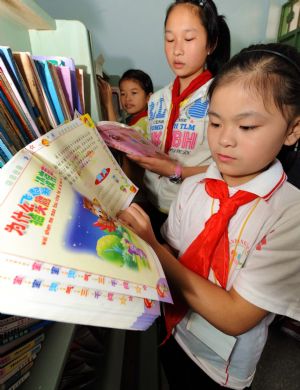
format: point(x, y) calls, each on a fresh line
point(178, 49)
point(227, 137)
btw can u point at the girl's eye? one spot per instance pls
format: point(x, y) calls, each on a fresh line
point(248, 127)
point(189, 39)
point(214, 124)
point(169, 40)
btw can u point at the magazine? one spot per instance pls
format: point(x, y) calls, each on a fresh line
point(64, 254)
point(126, 139)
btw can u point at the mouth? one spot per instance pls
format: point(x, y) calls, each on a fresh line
point(225, 158)
point(178, 65)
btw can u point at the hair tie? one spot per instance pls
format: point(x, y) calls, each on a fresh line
point(276, 53)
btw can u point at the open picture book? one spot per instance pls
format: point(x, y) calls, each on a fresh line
point(64, 255)
point(126, 139)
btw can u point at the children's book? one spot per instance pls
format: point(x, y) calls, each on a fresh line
point(64, 254)
point(68, 62)
point(28, 73)
point(21, 361)
point(7, 57)
point(20, 351)
point(49, 86)
point(17, 379)
point(126, 139)
point(64, 75)
point(60, 92)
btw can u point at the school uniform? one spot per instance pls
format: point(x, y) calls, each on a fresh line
point(189, 146)
point(264, 249)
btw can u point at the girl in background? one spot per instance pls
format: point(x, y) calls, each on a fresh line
point(197, 44)
point(136, 87)
point(233, 233)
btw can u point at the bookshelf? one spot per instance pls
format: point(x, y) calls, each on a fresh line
point(24, 26)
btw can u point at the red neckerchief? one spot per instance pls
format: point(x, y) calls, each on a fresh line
point(135, 118)
point(210, 249)
point(178, 98)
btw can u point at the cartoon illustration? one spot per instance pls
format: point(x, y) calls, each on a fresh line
point(102, 175)
point(113, 242)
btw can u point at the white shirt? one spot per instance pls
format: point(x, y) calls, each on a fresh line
point(264, 238)
point(189, 146)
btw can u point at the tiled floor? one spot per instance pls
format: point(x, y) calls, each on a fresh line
point(279, 367)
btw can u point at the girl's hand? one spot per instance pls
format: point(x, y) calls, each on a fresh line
point(136, 218)
point(161, 164)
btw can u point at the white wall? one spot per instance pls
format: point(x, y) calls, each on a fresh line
point(129, 33)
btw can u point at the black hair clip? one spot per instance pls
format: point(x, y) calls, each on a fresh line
point(202, 3)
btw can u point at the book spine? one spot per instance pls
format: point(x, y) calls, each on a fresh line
point(14, 91)
point(18, 324)
point(22, 361)
point(5, 384)
point(22, 350)
point(19, 381)
point(22, 332)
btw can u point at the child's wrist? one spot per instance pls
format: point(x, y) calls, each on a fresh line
point(176, 176)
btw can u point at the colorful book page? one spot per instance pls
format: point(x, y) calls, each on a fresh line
point(126, 139)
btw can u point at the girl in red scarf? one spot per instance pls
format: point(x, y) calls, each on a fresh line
point(233, 232)
point(197, 44)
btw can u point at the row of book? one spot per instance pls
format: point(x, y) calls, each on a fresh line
point(37, 94)
point(20, 342)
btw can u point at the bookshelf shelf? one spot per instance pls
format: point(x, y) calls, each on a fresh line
point(48, 366)
point(24, 26)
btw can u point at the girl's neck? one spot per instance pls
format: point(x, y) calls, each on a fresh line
point(185, 81)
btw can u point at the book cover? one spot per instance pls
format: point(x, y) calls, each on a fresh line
point(64, 74)
point(60, 92)
point(68, 62)
point(8, 129)
point(31, 127)
point(52, 114)
point(87, 267)
point(126, 139)
point(10, 116)
point(8, 59)
point(30, 76)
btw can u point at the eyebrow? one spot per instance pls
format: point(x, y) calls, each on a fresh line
point(239, 116)
point(186, 30)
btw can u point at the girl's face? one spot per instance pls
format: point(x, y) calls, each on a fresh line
point(133, 98)
point(244, 135)
point(185, 43)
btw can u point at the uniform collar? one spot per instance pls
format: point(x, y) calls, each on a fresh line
point(264, 185)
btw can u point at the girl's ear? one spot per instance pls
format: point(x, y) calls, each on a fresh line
point(148, 96)
point(294, 133)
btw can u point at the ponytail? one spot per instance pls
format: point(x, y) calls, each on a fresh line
point(221, 53)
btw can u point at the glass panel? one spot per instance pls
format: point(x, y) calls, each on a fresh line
point(294, 22)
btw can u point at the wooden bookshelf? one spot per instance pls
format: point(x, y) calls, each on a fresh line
point(24, 26)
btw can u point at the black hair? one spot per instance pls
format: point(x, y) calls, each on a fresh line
point(218, 34)
point(142, 78)
point(271, 70)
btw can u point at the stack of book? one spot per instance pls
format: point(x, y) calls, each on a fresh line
point(20, 341)
point(37, 93)
point(65, 256)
